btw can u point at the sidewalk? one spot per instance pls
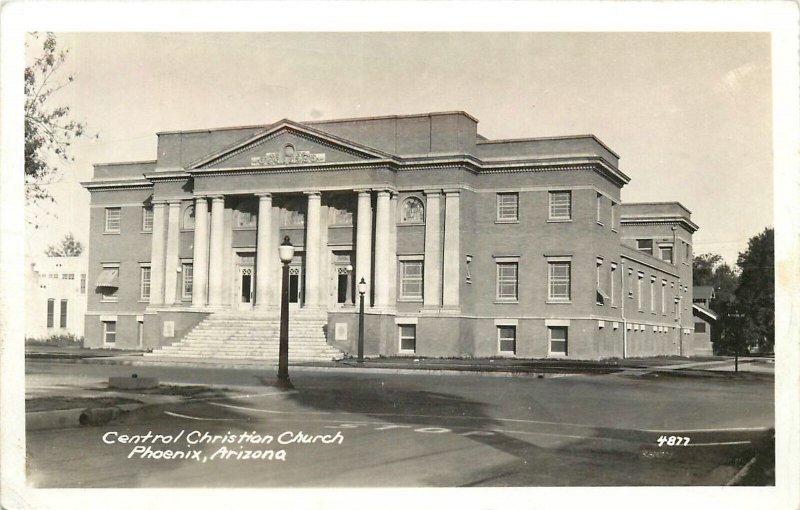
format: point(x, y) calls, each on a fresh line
point(505, 367)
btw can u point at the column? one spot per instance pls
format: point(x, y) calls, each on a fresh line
point(364, 240)
point(433, 251)
point(313, 258)
point(215, 254)
point(452, 256)
point(171, 259)
point(393, 250)
point(157, 255)
point(264, 250)
point(382, 249)
point(200, 256)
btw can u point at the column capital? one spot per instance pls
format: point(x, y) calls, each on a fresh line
point(174, 202)
point(263, 195)
point(382, 192)
point(217, 198)
point(200, 196)
point(362, 191)
point(432, 192)
point(452, 191)
point(158, 203)
point(313, 194)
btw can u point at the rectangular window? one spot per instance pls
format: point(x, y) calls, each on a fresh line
point(144, 283)
point(507, 206)
point(560, 205)
point(67, 276)
point(51, 310)
point(653, 294)
point(507, 281)
point(112, 220)
point(188, 278)
point(666, 253)
point(558, 281)
point(639, 290)
point(411, 279)
point(663, 297)
point(507, 338)
point(688, 255)
point(699, 327)
point(613, 278)
point(601, 296)
point(147, 219)
point(108, 282)
point(599, 208)
point(645, 246)
point(613, 215)
point(109, 332)
point(63, 317)
point(558, 339)
point(83, 283)
point(630, 283)
point(408, 338)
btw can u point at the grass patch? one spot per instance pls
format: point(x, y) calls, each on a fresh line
point(762, 471)
point(62, 403)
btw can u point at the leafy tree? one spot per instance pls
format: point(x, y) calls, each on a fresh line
point(756, 293)
point(68, 247)
point(49, 131)
point(711, 270)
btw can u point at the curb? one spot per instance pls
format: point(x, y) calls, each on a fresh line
point(742, 472)
point(69, 418)
point(342, 369)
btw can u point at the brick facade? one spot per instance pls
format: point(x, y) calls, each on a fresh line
point(520, 247)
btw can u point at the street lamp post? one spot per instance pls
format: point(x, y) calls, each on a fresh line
point(286, 253)
point(362, 289)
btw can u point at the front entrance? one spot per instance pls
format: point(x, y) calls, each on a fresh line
point(245, 281)
point(296, 281)
point(342, 279)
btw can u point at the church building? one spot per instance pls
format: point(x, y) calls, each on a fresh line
point(469, 247)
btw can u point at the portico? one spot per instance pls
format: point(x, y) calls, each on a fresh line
point(234, 260)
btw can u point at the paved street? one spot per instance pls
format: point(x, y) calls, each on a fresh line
point(409, 430)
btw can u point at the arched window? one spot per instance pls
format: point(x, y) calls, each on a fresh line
point(188, 218)
point(412, 211)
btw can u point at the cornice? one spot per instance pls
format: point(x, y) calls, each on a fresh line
point(667, 220)
point(117, 184)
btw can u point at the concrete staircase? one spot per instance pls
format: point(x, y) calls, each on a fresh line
point(249, 337)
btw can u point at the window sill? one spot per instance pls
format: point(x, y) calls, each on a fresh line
point(145, 231)
point(556, 355)
point(406, 352)
point(411, 224)
point(112, 233)
point(234, 228)
point(409, 300)
point(557, 302)
point(507, 354)
point(109, 300)
point(506, 222)
point(506, 301)
point(559, 220)
point(144, 301)
point(341, 226)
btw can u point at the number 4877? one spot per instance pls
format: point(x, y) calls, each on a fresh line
point(672, 441)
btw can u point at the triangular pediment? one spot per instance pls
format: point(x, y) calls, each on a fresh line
point(288, 143)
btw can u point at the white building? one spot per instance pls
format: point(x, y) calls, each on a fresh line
point(55, 299)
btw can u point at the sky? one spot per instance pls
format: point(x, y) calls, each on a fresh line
point(688, 113)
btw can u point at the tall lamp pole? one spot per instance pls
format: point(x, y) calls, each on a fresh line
point(362, 289)
point(286, 253)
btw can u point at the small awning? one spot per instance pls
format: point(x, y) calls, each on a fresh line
point(109, 277)
point(700, 310)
